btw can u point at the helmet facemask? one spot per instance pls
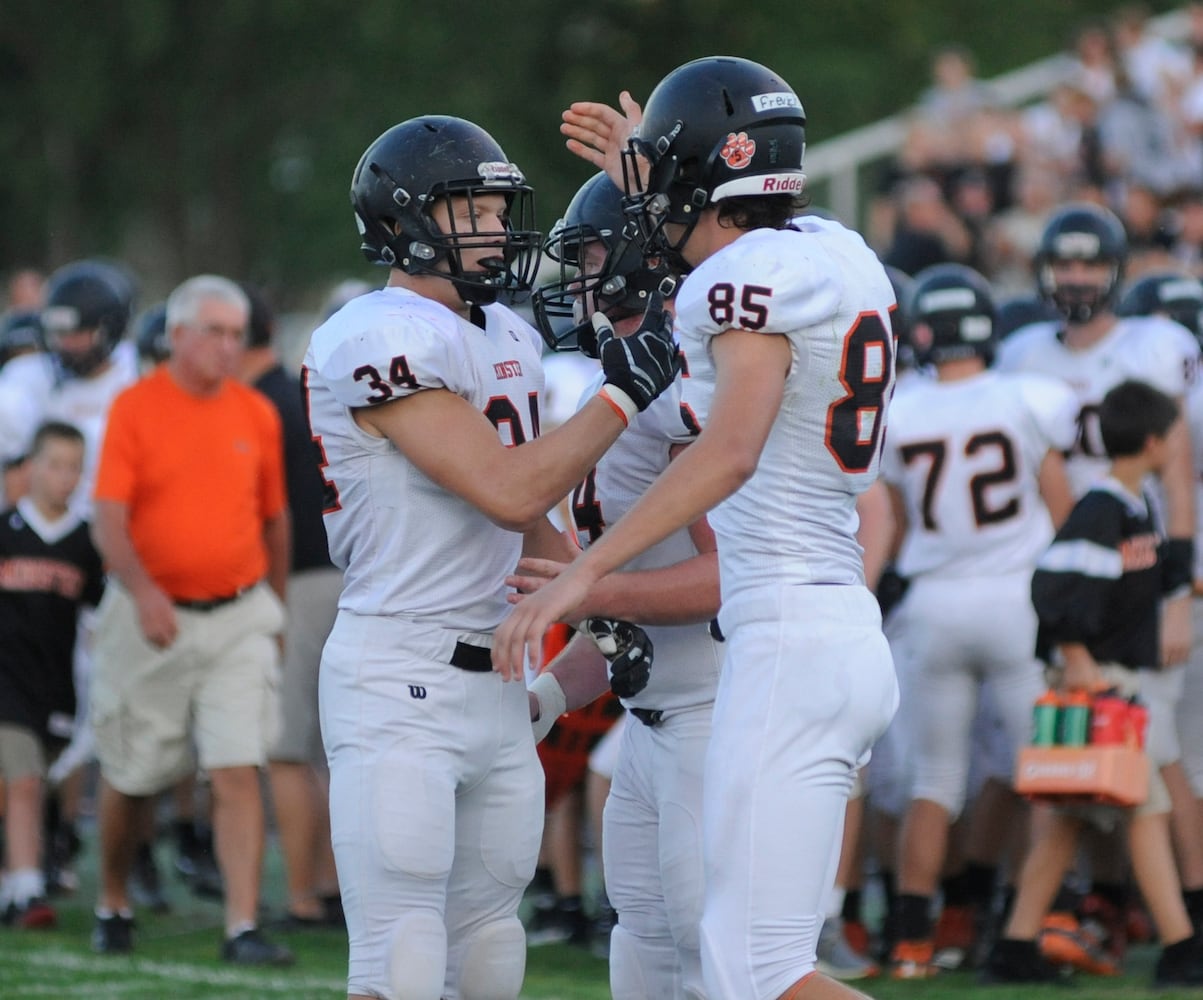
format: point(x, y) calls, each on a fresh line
point(618, 285)
point(658, 193)
point(1079, 302)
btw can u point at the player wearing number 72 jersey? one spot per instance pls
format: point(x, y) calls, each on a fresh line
point(786, 329)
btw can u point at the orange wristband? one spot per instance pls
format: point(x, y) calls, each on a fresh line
point(606, 398)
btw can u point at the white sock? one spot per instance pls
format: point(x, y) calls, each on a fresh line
point(26, 884)
point(239, 928)
point(835, 903)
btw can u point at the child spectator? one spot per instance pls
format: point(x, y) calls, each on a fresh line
point(1097, 593)
point(48, 569)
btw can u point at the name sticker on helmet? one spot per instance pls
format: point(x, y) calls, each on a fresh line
point(775, 102)
point(496, 172)
point(58, 319)
point(1077, 245)
point(1186, 288)
point(944, 299)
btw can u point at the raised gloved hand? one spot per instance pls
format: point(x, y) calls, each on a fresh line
point(641, 365)
point(628, 650)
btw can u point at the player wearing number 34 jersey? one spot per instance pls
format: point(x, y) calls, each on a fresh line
point(423, 402)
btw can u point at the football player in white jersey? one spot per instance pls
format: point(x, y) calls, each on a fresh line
point(786, 327)
point(423, 401)
point(1079, 266)
point(652, 821)
point(86, 363)
point(974, 464)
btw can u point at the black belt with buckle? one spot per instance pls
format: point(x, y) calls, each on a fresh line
point(477, 659)
point(648, 716)
point(211, 603)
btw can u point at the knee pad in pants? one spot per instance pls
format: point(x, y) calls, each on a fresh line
point(417, 959)
point(494, 961)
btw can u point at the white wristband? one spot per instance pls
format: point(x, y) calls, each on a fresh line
point(620, 399)
point(552, 703)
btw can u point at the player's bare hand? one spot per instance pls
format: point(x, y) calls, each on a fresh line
point(156, 617)
point(520, 636)
point(1177, 631)
point(598, 133)
point(531, 575)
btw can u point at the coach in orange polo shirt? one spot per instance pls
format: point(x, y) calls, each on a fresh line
point(190, 518)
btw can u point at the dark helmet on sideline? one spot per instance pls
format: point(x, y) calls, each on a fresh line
point(408, 170)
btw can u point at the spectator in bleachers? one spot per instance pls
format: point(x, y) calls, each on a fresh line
point(1093, 62)
point(927, 230)
point(1187, 246)
point(1152, 65)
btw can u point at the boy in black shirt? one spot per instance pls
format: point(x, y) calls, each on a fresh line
point(48, 570)
point(1097, 592)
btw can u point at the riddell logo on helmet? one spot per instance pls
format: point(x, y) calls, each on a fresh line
point(783, 185)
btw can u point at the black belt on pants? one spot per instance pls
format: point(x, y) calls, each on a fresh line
point(210, 603)
point(648, 716)
point(478, 659)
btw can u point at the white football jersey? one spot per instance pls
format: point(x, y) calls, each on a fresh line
point(408, 547)
point(819, 285)
point(966, 456)
point(80, 401)
point(687, 659)
point(1150, 348)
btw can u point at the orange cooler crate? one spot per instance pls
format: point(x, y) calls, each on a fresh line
point(1112, 775)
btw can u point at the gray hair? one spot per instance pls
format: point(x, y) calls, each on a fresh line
point(183, 304)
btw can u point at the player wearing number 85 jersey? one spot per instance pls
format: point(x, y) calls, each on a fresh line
point(785, 324)
point(423, 402)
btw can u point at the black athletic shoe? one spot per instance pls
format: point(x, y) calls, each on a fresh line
point(1012, 961)
point(1180, 964)
point(113, 935)
point(252, 948)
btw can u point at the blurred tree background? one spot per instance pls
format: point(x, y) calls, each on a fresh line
point(189, 135)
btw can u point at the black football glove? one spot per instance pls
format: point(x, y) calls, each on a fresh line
point(643, 363)
point(628, 650)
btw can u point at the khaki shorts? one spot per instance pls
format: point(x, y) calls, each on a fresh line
point(312, 606)
point(21, 753)
point(213, 689)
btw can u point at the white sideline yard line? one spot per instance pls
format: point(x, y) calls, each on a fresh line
point(110, 972)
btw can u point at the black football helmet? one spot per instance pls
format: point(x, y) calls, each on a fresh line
point(952, 315)
point(89, 295)
point(619, 288)
point(150, 335)
point(402, 176)
point(1023, 310)
point(1081, 231)
point(715, 128)
point(1178, 296)
point(20, 333)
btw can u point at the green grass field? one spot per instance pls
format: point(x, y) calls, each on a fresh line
point(176, 958)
